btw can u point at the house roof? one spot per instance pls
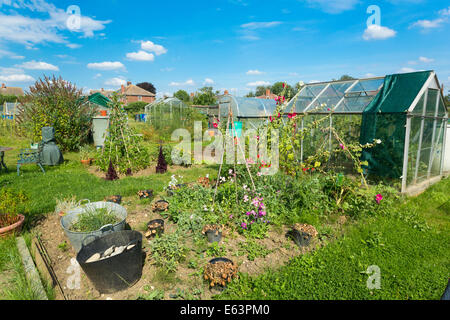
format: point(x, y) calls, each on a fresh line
point(132, 90)
point(11, 91)
point(106, 93)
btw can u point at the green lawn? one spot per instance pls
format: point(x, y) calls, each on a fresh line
point(414, 260)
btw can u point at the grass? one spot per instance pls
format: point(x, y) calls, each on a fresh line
point(414, 259)
point(94, 219)
point(67, 180)
point(16, 286)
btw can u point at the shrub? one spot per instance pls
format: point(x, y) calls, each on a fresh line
point(167, 251)
point(135, 107)
point(56, 103)
point(10, 206)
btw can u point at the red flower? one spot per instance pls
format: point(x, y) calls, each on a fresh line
point(279, 115)
point(271, 119)
point(284, 85)
point(216, 125)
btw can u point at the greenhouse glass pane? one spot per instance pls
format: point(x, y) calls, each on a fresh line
point(372, 85)
point(431, 102)
point(425, 151)
point(441, 109)
point(330, 98)
point(438, 149)
point(414, 139)
point(355, 103)
point(418, 110)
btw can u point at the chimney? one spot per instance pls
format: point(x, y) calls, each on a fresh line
point(267, 92)
point(122, 89)
point(3, 86)
point(226, 92)
point(192, 94)
point(128, 83)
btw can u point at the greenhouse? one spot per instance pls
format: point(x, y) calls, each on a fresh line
point(169, 114)
point(405, 113)
point(250, 112)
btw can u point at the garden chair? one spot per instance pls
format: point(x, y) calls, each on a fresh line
point(30, 156)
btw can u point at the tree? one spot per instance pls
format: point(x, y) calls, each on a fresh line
point(447, 100)
point(182, 95)
point(278, 88)
point(346, 77)
point(135, 107)
point(251, 94)
point(261, 90)
point(205, 97)
point(147, 86)
point(54, 102)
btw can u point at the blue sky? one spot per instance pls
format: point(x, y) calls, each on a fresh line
point(227, 44)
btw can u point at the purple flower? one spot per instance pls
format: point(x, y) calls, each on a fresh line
point(244, 225)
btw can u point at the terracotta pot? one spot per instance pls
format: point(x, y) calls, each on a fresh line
point(14, 228)
point(86, 162)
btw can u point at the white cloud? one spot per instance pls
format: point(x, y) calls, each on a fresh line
point(167, 69)
point(29, 31)
point(369, 75)
point(106, 65)
point(435, 23)
point(429, 24)
point(189, 82)
point(260, 25)
point(38, 65)
point(98, 75)
point(333, 6)
point(16, 78)
point(254, 72)
point(152, 47)
point(141, 56)
point(314, 81)
point(73, 46)
point(258, 83)
point(425, 60)
point(406, 70)
point(9, 54)
point(116, 82)
point(208, 81)
point(376, 32)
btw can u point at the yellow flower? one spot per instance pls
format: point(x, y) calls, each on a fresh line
point(317, 164)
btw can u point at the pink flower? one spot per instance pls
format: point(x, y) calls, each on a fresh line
point(231, 217)
point(246, 198)
point(244, 225)
point(259, 174)
point(378, 198)
point(215, 125)
point(342, 146)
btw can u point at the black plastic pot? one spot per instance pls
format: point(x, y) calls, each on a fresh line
point(146, 194)
point(302, 239)
point(159, 228)
point(214, 236)
point(161, 201)
point(219, 287)
point(115, 199)
point(115, 273)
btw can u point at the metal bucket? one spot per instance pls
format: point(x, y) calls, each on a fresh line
point(76, 238)
point(118, 272)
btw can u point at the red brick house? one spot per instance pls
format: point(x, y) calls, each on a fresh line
point(132, 93)
point(269, 95)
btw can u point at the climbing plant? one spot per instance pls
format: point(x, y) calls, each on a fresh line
point(123, 147)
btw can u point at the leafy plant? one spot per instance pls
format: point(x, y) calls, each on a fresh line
point(11, 202)
point(56, 103)
point(93, 219)
point(253, 249)
point(123, 147)
point(161, 167)
point(167, 251)
point(66, 204)
point(153, 294)
point(63, 246)
point(216, 250)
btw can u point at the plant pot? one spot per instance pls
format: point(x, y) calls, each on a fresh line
point(158, 206)
point(76, 238)
point(214, 235)
point(155, 227)
point(14, 228)
point(115, 199)
point(302, 239)
point(86, 162)
point(118, 272)
point(219, 277)
point(145, 194)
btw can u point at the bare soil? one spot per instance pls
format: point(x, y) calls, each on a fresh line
point(186, 279)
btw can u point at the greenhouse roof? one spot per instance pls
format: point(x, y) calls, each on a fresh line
point(392, 93)
point(351, 96)
point(247, 107)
